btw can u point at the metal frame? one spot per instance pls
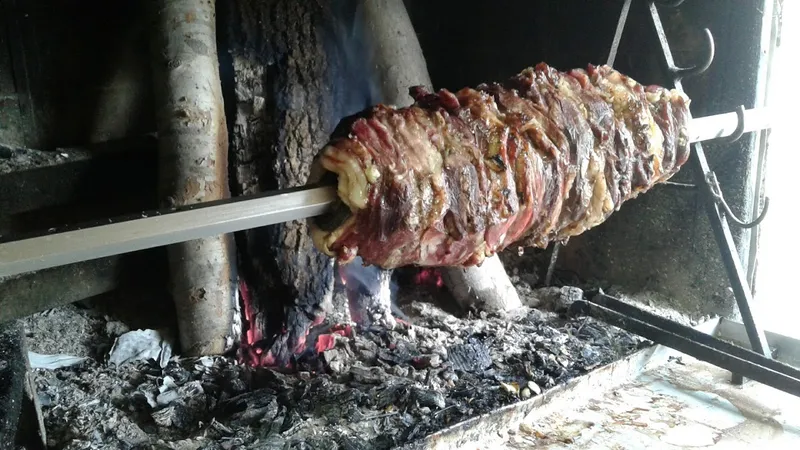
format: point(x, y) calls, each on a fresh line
point(757, 364)
point(716, 207)
point(692, 342)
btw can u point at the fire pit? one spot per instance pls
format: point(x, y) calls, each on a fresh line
point(353, 388)
point(273, 344)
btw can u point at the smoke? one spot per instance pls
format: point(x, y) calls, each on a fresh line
point(370, 292)
point(357, 84)
point(366, 280)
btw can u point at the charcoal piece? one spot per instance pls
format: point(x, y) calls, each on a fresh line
point(255, 414)
point(187, 406)
point(178, 373)
point(400, 371)
point(316, 443)
point(273, 443)
point(250, 407)
point(426, 361)
point(401, 352)
point(335, 359)
point(368, 375)
point(351, 442)
point(429, 398)
point(174, 416)
point(472, 356)
point(547, 361)
point(389, 356)
point(558, 299)
point(591, 357)
point(393, 395)
point(289, 419)
point(449, 374)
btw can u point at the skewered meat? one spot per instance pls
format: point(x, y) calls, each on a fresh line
point(457, 177)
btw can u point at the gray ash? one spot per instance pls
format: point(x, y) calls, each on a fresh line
point(368, 388)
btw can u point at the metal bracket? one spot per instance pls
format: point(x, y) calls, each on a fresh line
point(670, 4)
point(716, 193)
point(690, 341)
point(739, 131)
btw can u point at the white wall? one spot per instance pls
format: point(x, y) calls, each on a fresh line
point(778, 273)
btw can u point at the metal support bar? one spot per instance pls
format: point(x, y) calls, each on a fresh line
point(623, 18)
point(750, 364)
point(671, 326)
point(719, 225)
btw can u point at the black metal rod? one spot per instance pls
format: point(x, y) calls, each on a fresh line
point(634, 312)
point(747, 368)
point(719, 226)
point(551, 266)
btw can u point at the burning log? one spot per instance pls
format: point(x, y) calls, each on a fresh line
point(283, 110)
point(297, 69)
point(193, 147)
point(392, 48)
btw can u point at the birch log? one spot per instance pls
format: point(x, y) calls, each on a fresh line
point(193, 164)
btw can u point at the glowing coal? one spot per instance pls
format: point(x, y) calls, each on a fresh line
point(429, 277)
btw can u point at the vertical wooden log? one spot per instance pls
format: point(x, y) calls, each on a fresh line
point(193, 152)
point(283, 109)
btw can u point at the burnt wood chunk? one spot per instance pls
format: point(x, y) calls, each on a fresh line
point(13, 369)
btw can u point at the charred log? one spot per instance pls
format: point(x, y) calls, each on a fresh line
point(393, 51)
point(282, 111)
point(193, 153)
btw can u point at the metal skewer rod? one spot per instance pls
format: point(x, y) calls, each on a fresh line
point(160, 228)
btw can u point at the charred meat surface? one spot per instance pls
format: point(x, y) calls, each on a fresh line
point(457, 177)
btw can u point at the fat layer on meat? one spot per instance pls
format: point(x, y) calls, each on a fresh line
point(457, 177)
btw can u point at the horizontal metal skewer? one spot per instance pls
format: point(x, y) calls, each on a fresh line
point(160, 228)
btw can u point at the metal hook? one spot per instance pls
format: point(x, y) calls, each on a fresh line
point(716, 192)
point(670, 4)
point(739, 131)
point(685, 72)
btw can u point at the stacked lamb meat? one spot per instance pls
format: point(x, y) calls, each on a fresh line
point(457, 177)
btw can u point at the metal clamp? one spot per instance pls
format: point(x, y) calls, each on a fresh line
point(716, 193)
